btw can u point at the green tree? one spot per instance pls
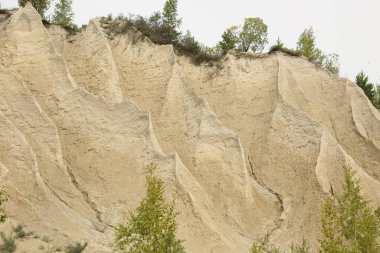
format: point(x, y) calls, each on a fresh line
point(306, 46)
point(189, 44)
point(348, 223)
point(151, 227)
point(40, 5)
point(254, 35)
point(63, 14)
point(230, 39)
point(171, 20)
point(362, 81)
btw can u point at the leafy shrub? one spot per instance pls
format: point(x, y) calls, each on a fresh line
point(278, 48)
point(160, 33)
point(63, 14)
point(46, 239)
point(151, 227)
point(302, 248)
point(75, 248)
point(307, 47)
point(348, 223)
point(3, 11)
point(263, 245)
point(3, 199)
point(8, 245)
point(20, 231)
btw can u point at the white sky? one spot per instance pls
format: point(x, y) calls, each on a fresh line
point(350, 28)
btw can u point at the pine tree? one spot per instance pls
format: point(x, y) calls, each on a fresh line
point(151, 227)
point(348, 223)
point(362, 81)
point(63, 14)
point(40, 5)
point(376, 101)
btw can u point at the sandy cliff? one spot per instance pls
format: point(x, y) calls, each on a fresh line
point(246, 146)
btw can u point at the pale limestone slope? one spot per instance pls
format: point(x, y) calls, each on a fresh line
point(246, 146)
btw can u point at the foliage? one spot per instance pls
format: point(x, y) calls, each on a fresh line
point(279, 46)
point(302, 248)
point(3, 11)
point(20, 231)
point(198, 52)
point(151, 227)
point(189, 44)
point(40, 5)
point(230, 38)
point(75, 248)
point(306, 46)
point(171, 20)
point(362, 81)
point(3, 199)
point(63, 14)
point(376, 101)
point(8, 245)
point(263, 245)
point(253, 35)
point(331, 63)
point(348, 224)
point(154, 28)
point(279, 43)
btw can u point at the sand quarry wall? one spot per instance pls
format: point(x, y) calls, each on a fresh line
point(246, 145)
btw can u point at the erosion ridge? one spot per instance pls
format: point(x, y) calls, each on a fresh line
point(246, 146)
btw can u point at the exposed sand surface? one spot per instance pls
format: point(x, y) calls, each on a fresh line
point(245, 146)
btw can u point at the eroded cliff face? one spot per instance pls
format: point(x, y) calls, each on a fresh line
point(247, 146)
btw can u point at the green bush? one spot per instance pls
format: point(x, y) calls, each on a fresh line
point(3, 199)
point(307, 47)
point(20, 231)
point(75, 248)
point(155, 29)
point(302, 248)
point(151, 227)
point(8, 245)
point(263, 245)
point(3, 11)
point(348, 223)
point(279, 48)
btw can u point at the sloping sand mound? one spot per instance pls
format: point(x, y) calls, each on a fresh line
point(247, 146)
